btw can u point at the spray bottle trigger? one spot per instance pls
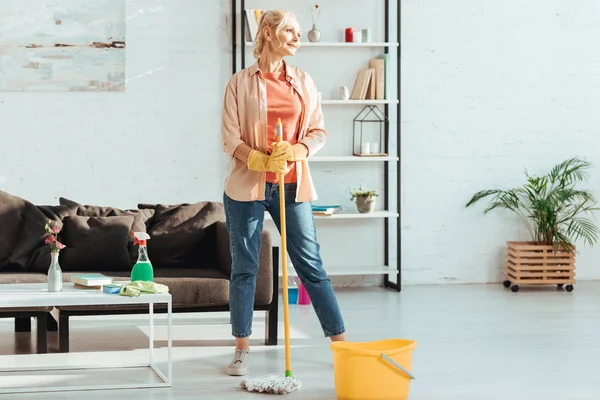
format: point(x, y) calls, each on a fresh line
point(139, 236)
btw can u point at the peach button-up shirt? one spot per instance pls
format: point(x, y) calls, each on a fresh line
point(244, 127)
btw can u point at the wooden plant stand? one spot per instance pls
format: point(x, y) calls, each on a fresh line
point(528, 263)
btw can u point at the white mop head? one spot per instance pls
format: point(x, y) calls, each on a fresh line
point(274, 384)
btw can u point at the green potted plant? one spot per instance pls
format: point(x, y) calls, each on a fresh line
point(365, 199)
point(553, 209)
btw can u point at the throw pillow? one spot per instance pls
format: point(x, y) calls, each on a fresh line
point(22, 230)
point(96, 244)
point(142, 219)
point(39, 259)
point(183, 235)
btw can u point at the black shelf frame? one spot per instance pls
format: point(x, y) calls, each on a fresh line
point(396, 286)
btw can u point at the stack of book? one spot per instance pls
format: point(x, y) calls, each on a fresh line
point(90, 281)
point(325, 210)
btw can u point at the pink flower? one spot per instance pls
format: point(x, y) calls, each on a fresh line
point(51, 240)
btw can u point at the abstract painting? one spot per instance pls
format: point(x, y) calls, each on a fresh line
point(62, 45)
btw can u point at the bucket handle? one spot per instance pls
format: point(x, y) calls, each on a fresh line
point(395, 364)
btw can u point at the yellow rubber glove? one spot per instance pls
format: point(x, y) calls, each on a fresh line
point(258, 161)
point(296, 152)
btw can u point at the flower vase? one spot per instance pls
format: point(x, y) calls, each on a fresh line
point(314, 35)
point(55, 279)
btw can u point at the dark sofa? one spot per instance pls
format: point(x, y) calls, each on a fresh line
point(189, 250)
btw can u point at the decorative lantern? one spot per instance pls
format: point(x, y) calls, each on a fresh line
point(370, 127)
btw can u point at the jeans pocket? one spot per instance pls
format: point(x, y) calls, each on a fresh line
point(290, 192)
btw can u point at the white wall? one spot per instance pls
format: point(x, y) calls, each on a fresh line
point(157, 142)
point(160, 140)
point(489, 89)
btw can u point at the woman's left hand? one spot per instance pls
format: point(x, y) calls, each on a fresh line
point(291, 152)
point(283, 148)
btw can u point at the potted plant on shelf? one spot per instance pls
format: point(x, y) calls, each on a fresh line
point(552, 208)
point(365, 199)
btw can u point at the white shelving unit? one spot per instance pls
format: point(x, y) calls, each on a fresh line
point(347, 270)
point(390, 161)
point(350, 215)
point(340, 44)
point(358, 102)
point(352, 159)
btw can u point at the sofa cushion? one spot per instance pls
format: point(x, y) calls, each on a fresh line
point(189, 287)
point(184, 235)
point(22, 235)
point(96, 243)
point(193, 292)
point(142, 218)
point(39, 259)
point(23, 278)
point(57, 213)
point(123, 276)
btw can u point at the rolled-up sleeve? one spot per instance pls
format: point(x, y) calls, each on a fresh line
point(231, 136)
point(316, 136)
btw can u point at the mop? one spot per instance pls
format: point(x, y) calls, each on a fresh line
point(279, 384)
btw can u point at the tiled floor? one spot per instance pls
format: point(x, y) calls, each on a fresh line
point(474, 342)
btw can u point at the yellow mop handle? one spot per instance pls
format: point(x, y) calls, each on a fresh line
point(286, 318)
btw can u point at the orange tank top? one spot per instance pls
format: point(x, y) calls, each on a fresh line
point(282, 102)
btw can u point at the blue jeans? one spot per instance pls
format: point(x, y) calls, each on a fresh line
point(245, 223)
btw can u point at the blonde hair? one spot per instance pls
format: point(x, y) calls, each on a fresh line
point(274, 19)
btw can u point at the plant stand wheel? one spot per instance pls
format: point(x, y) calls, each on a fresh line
point(569, 288)
point(506, 284)
point(515, 288)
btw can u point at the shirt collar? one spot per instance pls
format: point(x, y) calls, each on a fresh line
point(289, 74)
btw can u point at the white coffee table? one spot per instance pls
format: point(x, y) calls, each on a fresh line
point(36, 295)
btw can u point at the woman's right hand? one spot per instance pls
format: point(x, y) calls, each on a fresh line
point(259, 161)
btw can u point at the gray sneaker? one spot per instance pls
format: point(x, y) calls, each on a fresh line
point(239, 365)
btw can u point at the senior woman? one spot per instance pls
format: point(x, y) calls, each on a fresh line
point(254, 99)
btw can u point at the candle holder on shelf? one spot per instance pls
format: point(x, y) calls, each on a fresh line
point(370, 126)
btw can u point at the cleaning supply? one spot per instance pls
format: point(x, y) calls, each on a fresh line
point(111, 288)
point(303, 297)
point(288, 383)
point(292, 292)
point(142, 270)
point(134, 289)
point(379, 370)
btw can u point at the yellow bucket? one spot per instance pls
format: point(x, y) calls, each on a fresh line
point(373, 370)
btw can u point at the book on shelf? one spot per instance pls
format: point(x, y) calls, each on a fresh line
point(370, 83)
point(325, 210)
point(91, 280)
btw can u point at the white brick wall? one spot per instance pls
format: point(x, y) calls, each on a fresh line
point(160, 140)
point(158, 133)
point(489, 89)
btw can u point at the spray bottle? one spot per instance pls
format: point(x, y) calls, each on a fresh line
point(142, 270)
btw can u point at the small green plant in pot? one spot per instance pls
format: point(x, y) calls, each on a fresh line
point(554, 211)
point(365, 199)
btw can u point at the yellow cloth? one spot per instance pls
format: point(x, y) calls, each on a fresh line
point(134, 289)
